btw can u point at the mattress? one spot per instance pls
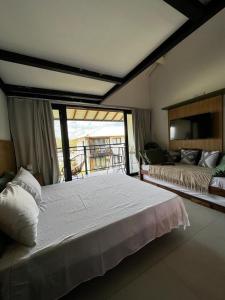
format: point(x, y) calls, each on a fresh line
point(86, 228)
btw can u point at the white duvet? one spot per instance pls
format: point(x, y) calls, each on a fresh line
point(87, 227)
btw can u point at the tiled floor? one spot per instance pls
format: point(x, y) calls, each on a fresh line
point(181, 265)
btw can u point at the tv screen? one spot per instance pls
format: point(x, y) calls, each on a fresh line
point(193, 127)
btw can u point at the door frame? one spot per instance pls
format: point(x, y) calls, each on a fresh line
point(65, 138)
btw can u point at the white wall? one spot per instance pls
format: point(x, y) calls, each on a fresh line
point(134, 94)
point(194, 67)
point(4, 120)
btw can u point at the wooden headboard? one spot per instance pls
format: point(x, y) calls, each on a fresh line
point(7, 157)
point(214, 105)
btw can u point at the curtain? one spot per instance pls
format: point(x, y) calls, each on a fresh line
point(141, 128)
point(32, 129)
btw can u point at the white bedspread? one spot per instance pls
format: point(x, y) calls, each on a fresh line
point(87, 227)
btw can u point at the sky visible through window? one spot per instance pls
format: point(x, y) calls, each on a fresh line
point(77, 129)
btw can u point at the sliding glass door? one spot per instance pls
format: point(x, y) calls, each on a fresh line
point(93, 141)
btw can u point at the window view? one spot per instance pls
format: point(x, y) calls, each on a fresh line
point(96, 142)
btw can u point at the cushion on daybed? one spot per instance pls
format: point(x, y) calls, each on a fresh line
point(209, 159)
point(189, 157)
point(220, 169)
point(154, 156)
point(173, 156)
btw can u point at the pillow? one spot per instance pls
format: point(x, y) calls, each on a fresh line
point(154, 156)
point(189, 157)
point(209, 159)
point(18, 214)
point(27, 181)
point(173, 156)
point(8, 176)
point(220, 169)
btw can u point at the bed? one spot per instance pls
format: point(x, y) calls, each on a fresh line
point(87, 227)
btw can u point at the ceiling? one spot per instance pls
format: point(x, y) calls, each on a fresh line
point(84, 49)
point(80, 114)
point(39, 78)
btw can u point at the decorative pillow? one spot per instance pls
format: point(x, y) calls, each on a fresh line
point(189, 157)
point(209, 159)
point(173, 156)
point(27, 181)
point(154, 156)
point(7, 177)
point(220, 169)
point(18, 214)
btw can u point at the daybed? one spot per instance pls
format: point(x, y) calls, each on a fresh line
point(188, 181)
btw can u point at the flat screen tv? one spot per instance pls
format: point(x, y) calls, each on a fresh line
point(193, 127)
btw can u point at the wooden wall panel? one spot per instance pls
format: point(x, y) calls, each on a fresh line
point(7, 157)
point(214, 105)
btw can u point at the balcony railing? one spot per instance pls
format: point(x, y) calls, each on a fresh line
point(88, 160)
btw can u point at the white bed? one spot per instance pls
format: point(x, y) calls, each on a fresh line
point(86, 228)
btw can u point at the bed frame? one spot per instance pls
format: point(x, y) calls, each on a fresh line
point(7, 157)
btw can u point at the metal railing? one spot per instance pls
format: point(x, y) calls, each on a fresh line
point(87, 160)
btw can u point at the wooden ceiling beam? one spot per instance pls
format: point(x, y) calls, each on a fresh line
point(74, 114)
point(32, 92)
point(193, 9)
point(116, 114)
point(122, 117)
point(105, 116)
point(56, 67)
point(85, 116)
point(95, 115)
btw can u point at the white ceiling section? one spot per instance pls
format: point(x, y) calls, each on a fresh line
point(39, 78)
point(106, 36)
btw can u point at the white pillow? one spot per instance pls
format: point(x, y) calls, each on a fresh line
point(18, 214)
point(27, 181)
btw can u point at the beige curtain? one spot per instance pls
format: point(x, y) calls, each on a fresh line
point(32, 129)
point(141, 128)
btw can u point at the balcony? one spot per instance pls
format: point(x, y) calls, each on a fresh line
point(94, 160)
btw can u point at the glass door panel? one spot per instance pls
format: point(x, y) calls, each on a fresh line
point(133, 162)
